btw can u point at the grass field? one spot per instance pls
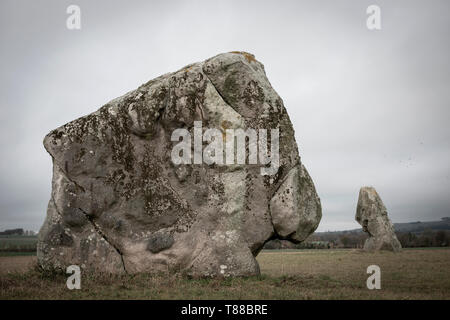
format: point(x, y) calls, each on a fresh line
point(18, 244)
point(285, 274)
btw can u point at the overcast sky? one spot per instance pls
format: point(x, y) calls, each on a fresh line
point(368, 107)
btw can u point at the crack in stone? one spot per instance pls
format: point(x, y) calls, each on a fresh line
point(103, 235)
point(88, 216)
point(97, 229)
point(66, 174)
point(223, 98)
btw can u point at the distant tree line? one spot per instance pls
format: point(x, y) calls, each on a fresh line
point(428, 238)
point(12, 232)
point(356, 239)
point(17, 232)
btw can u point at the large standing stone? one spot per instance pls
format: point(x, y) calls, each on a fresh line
point(119, 203)
point(371, 214)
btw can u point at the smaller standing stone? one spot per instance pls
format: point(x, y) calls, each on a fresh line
point(371, 214)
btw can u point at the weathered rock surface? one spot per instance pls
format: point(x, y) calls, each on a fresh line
point(119, 204)
point(371, 214)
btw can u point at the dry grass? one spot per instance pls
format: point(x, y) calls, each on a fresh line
point(300, 274)
point(17, 264)
point(341, 274)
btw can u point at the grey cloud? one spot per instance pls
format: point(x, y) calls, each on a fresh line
point(369, 107)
